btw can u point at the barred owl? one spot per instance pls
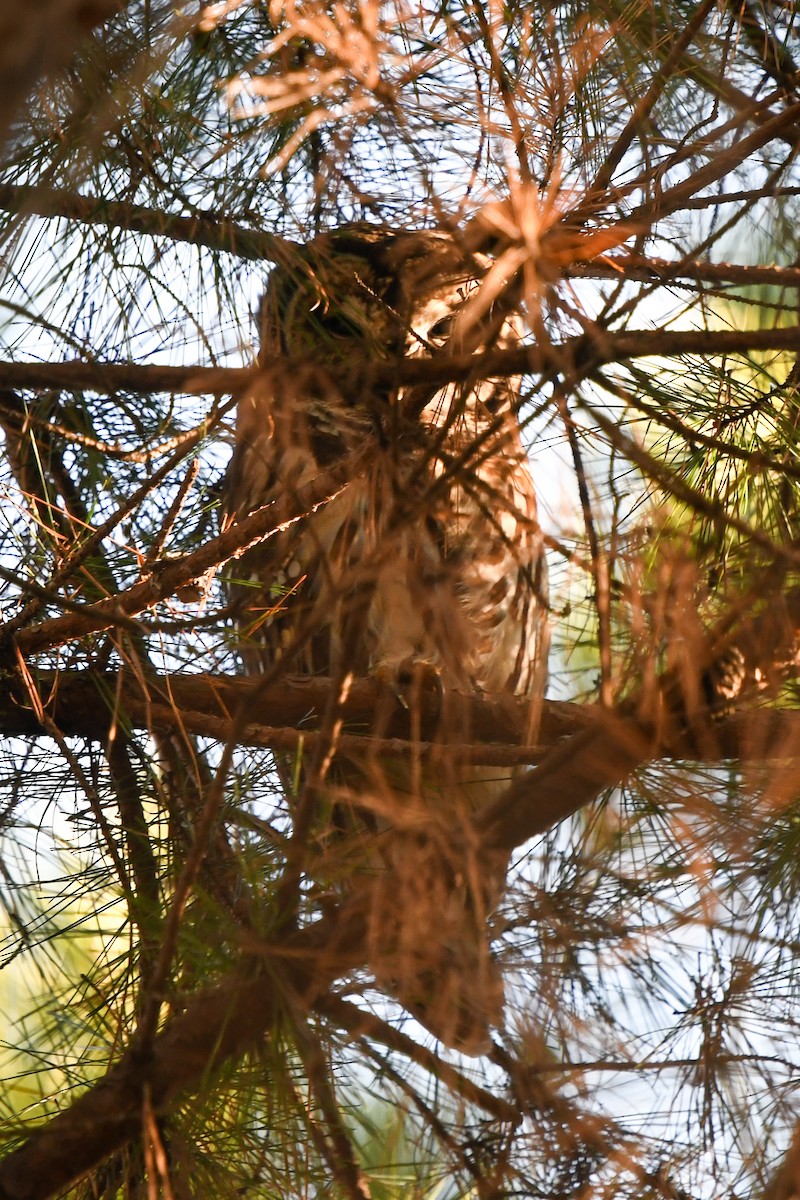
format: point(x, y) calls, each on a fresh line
point(426, 570)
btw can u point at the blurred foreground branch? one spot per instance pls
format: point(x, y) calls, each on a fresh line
point(39, 39)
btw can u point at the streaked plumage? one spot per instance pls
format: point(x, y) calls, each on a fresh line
point(427, 567)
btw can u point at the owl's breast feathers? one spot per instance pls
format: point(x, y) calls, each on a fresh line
point(440, 527)
point(431, 557)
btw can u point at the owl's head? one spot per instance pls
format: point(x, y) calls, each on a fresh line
point(367, 292)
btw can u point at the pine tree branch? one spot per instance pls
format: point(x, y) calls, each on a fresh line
point(107, 378)
point(207, 229)
point(685, 719)
point(583, 353)
point(216, 232)
point(89, 703)
point(216, 1026)
point(283, 716)
point(773, 55)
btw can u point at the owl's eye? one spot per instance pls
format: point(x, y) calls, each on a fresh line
point(440, 331)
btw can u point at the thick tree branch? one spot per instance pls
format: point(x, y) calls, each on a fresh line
point(584, 353)
point(217, 1025)
point(686, 719)
point(107, 378)
point(590, 748)
point(207, 229)
point(88, 703)
point(219, 233)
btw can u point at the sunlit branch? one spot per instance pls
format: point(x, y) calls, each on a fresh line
point(285, 716)
point(107, 378)
point(586, 352)
point(217, 1025)
point(171, 575)
point(210, 230)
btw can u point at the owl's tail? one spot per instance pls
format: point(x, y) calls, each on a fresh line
point(430, 903)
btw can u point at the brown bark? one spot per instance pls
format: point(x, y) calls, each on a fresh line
point(582, 354)
point(217, 1025)
point(87, 703)
point(223, 1023)
point(205, 229)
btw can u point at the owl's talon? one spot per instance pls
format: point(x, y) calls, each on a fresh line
point(411, 682)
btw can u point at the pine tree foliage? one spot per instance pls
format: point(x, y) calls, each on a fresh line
point(188, 1006)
